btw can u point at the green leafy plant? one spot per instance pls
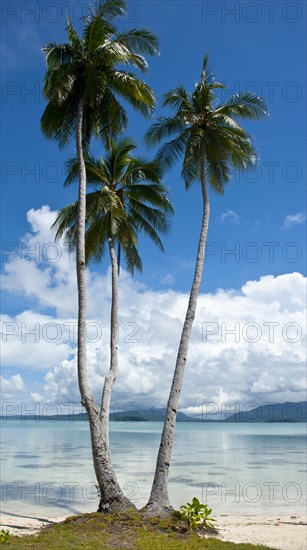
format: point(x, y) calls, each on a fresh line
point(4, 536)
point(197, 515)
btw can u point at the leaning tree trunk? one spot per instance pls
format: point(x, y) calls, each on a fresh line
point(105, 475)
point(118, 500)
point(158, 503)
point(87, 399)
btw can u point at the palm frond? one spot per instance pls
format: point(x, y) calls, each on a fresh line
point(112, 118)
point(66, 218)
point(148, 229)
point(205, 135)
point(244, 105)
point(58, 54)
point(129, 199)
point(110, 9)
point(127, 85)
point(95, 171)
point(87, 67)
point(73, 37)
point(141, 41)
point(58, 122)
point(154, 195)
point(163, 128)
point(155, 217)
point(178, 99)
point(132, 258)
point(172, 150)
point(192, 158)
point(140, 170)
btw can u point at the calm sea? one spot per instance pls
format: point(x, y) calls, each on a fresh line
point(236, 468)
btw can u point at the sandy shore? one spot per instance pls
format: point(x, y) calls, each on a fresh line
point(26, 525)
point(279, 531)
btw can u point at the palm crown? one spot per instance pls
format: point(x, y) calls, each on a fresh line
point(130, 199)
point(206, 131)
point(86, 68)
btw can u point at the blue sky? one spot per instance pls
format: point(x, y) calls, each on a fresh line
point(266, 56)
point(262, 216)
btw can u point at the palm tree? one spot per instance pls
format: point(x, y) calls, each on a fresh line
point(129, 199)
point(211, 141)
point(82, 86)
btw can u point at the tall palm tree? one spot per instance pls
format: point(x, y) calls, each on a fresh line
point(82, 86)
point(211, 141)
point(128, 199)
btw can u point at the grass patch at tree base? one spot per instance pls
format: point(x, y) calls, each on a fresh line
point(122, 531)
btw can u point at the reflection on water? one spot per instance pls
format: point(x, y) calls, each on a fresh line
point(49, 465)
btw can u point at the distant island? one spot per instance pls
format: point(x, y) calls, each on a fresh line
point(273, 412)
point(148, 415)
point(129, 415)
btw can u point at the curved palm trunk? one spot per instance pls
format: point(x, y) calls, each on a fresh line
point(87, 399)
point(118, 258)
point(118, 499)
point(111, 495)
point(159, 501)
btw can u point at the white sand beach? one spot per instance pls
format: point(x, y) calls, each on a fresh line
point(26, 525)
point(279, 532)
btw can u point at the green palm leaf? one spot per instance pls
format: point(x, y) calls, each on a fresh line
point(199, 119)
point(88, 67)
point(129, 199)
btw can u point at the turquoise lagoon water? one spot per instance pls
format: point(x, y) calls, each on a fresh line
point(236, 468)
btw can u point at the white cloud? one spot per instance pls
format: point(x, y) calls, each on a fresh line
point(230, 216)
point(168, 279)
point(293, 219)
point(11, 386)
point(263, 360)
point(36, 397)
point(35, 341)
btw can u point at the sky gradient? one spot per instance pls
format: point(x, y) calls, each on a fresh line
point(257, 229)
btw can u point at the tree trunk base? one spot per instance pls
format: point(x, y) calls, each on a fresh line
point(155, 509)
point(117, 504)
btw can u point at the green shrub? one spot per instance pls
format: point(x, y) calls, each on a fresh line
point(4, 536)
point(197, 515)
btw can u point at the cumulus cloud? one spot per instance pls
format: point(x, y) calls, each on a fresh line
point(11, 386)
point(246, 345)
point(293, 219)
point(230, 216)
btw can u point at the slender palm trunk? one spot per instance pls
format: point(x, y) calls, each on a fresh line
point(159, 501)
point(112, 375)
point(86, 397)
point(111, 497)
point(118, 258)
point(118, 499)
